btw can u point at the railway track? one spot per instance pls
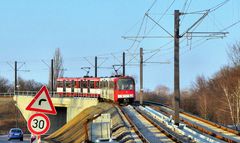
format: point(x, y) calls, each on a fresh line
point(147, 129)
point(204, 126)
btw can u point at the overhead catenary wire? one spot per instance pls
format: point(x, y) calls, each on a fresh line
point(197, 23)
point(230, 26)
point(134, 55)
point(194, 25)
point(141, 25)
point(212, 9)
point(159, 25)
point(134, 41)
point(184, 9)
point(185, 5)
point(164, 13)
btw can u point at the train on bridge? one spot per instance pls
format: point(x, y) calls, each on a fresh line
point(117, 89)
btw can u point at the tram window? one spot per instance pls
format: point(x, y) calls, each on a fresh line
point(91, 84)
point(59, 83)
point(125, 84)
point(76, 84)
point(73, 83)
point(64, 84)
point(104, 84)
point(97, 84)
point(68, 84)
point(84, 84)
point(101, 84)
point(111, 84)
point(79, 82)
point(88, 86)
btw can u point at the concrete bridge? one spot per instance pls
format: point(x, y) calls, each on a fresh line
point(67, 108)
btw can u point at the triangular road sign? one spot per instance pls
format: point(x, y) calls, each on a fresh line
point(42, 102)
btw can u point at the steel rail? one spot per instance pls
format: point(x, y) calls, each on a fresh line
point(140, 135)
point(168, 133)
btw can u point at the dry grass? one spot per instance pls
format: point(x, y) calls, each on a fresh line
point(8, 115)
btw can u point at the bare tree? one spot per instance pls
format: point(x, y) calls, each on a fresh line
point(28, 85)
point(162, 90)
point(223, 90)
point(57, 67)
point(188, 102)
point(200, 88)
point(218, 98)
point(4, 85)
point(160, 95)
point(233, 103)
point(234, 54)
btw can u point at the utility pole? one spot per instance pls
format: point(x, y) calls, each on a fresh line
point(123, 63)
point(176, 67)
point(17, 68)
point(16, 80)
point(15, 90)
point(16, 86)
point(95, 66)
point(141, 76)
point(52, 77)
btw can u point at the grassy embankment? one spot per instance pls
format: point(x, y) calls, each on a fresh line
point(8, 116)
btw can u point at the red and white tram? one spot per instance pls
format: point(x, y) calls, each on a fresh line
point(117, 89)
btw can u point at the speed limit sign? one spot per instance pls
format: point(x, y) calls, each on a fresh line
point(38, 124)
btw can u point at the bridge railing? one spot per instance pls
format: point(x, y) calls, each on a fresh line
point(52, 94)
point(6, 94)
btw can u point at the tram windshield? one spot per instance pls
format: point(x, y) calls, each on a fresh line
point(125, 84)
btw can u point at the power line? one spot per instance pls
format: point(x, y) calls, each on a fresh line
point(159, 25)
point(197, 22)
point(219, 5)
point(212, 9)
point(184, 10)
point(154, 2)
point(230, 26)
point(135, 40)
point(161, 16)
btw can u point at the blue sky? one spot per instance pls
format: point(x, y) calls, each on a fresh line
point(30, 31)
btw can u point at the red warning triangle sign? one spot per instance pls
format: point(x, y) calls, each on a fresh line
point(42, 102)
